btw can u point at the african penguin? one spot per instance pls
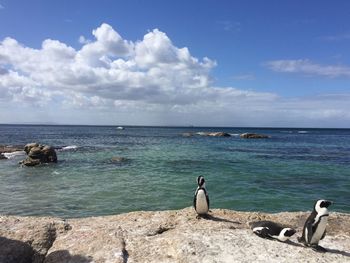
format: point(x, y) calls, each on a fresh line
point(271, 230)
point(201, 198)
point(315, 225)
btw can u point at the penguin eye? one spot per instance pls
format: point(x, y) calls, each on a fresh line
point(323, 204)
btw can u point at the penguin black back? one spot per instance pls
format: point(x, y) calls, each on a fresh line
point(269, 229)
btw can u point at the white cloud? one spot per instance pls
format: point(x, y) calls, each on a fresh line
point(308, 67)
point(149, 81)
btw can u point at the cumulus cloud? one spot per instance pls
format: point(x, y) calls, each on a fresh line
point(148, 81)
point(308, 67)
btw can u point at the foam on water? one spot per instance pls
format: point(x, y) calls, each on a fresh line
point(14, 154)
point(69, 148)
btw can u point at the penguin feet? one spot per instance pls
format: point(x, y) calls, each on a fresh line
point(318, 248)
point(202, 216)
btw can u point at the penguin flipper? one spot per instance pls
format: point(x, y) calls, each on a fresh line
point(195, 200)
point(263, 233)
point(207, 197)
point(309, 233)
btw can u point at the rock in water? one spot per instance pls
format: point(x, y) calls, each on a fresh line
point(38, 153)
point(253, 136)
point(214, 134)
point(8, 149)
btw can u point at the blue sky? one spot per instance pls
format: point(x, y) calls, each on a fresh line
point(246, 63)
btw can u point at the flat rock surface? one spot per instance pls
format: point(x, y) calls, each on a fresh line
point(172, 236)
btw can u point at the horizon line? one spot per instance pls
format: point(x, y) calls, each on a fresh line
point(169, 126)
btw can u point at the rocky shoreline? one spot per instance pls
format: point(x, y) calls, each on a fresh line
point(164, 236)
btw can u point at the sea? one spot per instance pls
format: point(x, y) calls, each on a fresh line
point(105, 170)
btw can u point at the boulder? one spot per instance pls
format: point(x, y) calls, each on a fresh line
point(14, 251)
point(219, 134)
point(253, 136)
point(29, 146)
point(214, 134)
point(38, 153)
point(27, 239)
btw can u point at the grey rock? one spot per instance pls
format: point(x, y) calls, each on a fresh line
point(38, 154)
point(214, 134)
point(173, 236)
point(253, 136)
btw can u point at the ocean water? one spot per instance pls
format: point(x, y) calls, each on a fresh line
point(286, 172)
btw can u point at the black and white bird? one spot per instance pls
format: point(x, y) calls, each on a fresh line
point(315, 225)
point(272, 230)
point(201, 198)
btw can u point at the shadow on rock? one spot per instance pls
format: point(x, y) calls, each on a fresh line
point(339, 252)
point(14, 251)
point(63, 256)
point(219, 219)
point(290, 242)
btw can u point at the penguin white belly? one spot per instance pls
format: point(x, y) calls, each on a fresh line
point(201, 203)
point(320, 230)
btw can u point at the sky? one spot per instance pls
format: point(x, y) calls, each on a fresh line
point(179, 63)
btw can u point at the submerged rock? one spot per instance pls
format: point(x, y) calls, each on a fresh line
point(253, 136)
point(38, 153)
point(119, 160)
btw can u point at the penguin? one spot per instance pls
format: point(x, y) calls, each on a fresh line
point(201, 198)
point(315, 226)
point(271, 230)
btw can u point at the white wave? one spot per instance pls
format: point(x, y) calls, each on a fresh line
point(303, 132)
point(235, 134)
point(14, 154)
point(69, 147)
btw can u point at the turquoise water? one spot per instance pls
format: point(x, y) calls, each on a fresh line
point(287, 172)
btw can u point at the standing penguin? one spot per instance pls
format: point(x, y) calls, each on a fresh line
point(201, 198)
point(315, 226)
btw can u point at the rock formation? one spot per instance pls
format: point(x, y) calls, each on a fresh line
point(38, 154)
point(9, 149)
point(167, 236)
point(214, 134)
point(253, 136)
